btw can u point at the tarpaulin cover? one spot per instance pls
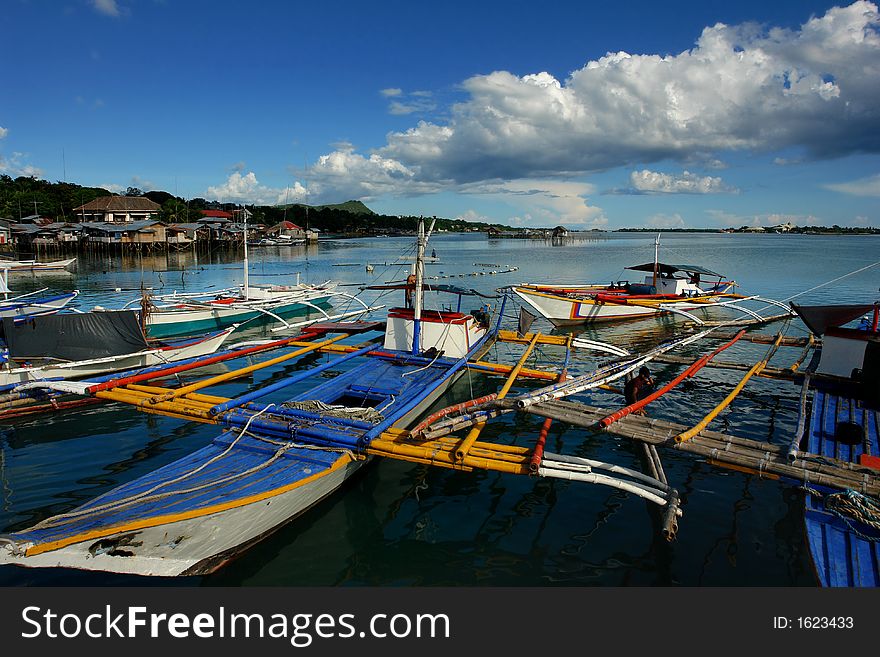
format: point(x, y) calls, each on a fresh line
point(820, 318)
point(74, 337)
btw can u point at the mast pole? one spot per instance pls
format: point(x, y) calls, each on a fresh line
point(245, 256)
point(656, 259)
point(418, 298)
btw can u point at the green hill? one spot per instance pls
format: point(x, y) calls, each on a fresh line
point(354, 207)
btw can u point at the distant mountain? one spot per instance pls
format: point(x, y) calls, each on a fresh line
point(354, 207)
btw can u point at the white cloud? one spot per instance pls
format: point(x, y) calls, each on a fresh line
point(15, 166)
point(546, 202)
point(3, 132)
point(652, 182)
point(409, 103)
point(113, 188)
point(726, 219)
point(817, 88)
point(666, 221)
point(246, 188)
point(106, 7)
point(869, 186)
point(473, 216)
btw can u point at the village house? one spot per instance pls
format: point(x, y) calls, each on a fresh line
point(183, 235)
point(146, 233)
point(118, 209)
point(5, 231)
point(286, 230)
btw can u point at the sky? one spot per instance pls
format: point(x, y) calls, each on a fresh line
point(587, 114)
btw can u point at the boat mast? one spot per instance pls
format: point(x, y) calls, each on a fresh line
point(656, 259)
point(243, 214)
point(417, 302)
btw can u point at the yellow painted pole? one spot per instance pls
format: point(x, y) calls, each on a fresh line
point(474, 433)
point(756, 368)
point(220, 378)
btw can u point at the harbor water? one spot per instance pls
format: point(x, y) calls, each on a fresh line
point(401, 524)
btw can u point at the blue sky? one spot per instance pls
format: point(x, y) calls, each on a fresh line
point(587, 114)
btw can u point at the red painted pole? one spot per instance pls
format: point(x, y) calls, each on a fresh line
point(692, 369)
point(538, 451)
point(136, 378)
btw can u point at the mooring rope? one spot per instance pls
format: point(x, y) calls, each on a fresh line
point(849, 505)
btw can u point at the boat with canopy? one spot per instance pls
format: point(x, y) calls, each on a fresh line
point(78, 345)
point(667, 289)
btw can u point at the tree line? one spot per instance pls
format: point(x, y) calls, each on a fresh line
point(25, 196)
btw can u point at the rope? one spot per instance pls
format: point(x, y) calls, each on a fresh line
point(849, 506)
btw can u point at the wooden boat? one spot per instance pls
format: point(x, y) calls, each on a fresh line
point(277, 458)
point(20, 266)
point(87, 344)
point(843, 528)
point(667, 289)
point(182, 314)
point(26, 305)
point(193, 314)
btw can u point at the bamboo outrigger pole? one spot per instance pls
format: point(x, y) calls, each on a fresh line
point(756, 369)
point(474, 433)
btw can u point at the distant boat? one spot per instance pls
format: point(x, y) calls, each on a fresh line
point(667, 289)
point(19, 266)
point(28, 305)
point(87, 344)
point(199, 312)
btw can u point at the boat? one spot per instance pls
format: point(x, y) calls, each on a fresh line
point(24, 266)
point(79, 345)
point(195, 313)
point(278, 456)
point(676, 289)
point(27, 305)
point(843, 527)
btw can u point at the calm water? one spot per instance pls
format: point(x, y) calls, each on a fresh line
point(399, 524)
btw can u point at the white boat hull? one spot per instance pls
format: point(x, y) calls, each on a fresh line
point(97, 366)
point(562, 311)
point(204, 543)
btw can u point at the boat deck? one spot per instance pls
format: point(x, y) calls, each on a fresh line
point(239, 468)
point(843, 552)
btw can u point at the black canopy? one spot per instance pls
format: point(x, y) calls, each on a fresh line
point(671, 269)
point(80, 336)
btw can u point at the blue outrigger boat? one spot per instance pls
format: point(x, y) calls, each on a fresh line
point(279, 455)
point(843, 528)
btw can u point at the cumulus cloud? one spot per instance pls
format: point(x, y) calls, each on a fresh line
point(726, 219)
point(15, 166)
point(816, 88)
point(545, 201)
point(106, 7)
point(652, 182)
point(3, 132)
point(472, 216)
point(869, 186)
point(409, 103)
point(246, 188)
point(666, 221)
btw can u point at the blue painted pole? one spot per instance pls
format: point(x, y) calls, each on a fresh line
point(296, 378)
point(406, 408)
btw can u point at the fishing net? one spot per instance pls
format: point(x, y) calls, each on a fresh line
point(334, 410)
